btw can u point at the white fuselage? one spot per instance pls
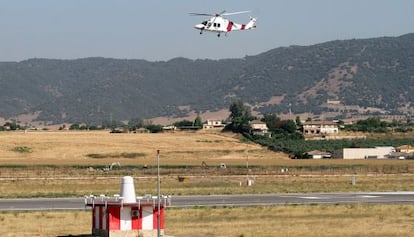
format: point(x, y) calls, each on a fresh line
point(220, 24)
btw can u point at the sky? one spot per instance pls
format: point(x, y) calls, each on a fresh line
point(157, 30)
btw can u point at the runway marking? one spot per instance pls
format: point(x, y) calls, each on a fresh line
point(312, 198)
point(369, 196)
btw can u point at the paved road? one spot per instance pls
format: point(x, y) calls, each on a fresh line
point(224, 200)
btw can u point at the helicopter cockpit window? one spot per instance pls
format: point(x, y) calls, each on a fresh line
point(204, 23)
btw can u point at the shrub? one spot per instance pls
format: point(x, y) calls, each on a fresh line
point(22, 149)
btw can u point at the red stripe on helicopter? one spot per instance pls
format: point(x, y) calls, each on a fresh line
point(229, 26)
point(243, 27)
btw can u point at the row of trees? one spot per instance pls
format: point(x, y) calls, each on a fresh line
point(374, 124)
point(286, 136)
point(133, 125)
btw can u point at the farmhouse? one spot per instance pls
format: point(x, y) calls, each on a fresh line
point(405, 148)
point(213, 124)
point(319, 127)
point(259, 128)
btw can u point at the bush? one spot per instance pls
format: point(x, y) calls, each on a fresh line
point(22, 149)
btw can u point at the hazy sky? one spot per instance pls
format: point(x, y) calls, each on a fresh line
point(160, 30)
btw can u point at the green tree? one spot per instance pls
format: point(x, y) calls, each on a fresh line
point(12, 126)
point(298, 122)
point(198, 122)
point(238, 109)
point(74, 126)
point(183, 123)
point(271, 121)
point(135, 123)
point(288, 125)
point(154, 128)
point(240, 116)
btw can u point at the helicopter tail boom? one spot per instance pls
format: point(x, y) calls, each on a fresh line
point(250, 25)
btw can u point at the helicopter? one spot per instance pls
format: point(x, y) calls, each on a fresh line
point(217, 23)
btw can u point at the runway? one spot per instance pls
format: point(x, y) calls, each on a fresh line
point(41, 204)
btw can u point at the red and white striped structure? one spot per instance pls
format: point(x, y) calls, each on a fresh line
point(124, 215)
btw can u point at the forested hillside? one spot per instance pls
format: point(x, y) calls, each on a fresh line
point(377, 73)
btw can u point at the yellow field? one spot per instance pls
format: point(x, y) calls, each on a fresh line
point(69, 148)
point(24, 170)
point(283, 221)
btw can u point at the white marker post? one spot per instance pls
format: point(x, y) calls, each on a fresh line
point(158, 195)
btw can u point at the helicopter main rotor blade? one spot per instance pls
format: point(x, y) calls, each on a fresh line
point(234, 13)
point(221, 13)
point(201, 14)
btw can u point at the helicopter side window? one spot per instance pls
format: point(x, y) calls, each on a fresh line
point(204, 22)
point(218, 24)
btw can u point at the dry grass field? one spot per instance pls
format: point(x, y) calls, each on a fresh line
point(283, 221)
point(56, 164)
point(76, 148)
point(204, 185)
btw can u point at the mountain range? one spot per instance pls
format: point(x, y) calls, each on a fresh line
point(356, 76)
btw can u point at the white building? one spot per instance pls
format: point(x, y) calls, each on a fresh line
point(365, 153)
point(213, 124)
point(259, 128)
point(319, 154)
point(320, 127)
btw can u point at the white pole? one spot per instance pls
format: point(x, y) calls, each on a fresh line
point(158, 195)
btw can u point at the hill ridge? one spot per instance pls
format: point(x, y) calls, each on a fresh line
point(375, 74)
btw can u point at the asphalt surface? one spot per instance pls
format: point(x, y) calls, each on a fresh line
point(39, 204)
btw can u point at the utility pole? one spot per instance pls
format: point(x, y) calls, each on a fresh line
point(158, 195)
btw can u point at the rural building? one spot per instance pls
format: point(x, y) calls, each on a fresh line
point(319, 154)
point(319, 127)
point(170, 128)
point(259, 128)
point(405, 148)
point(125, 214)
point(333, 102)
point(364, 153)
point(213, 124)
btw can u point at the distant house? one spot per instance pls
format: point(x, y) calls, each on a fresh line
point(259, 128)
point(333, 102)
point(213, 124)
point(319, 127)
point(319, 154)
point(170, 128)
point(405, 148)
